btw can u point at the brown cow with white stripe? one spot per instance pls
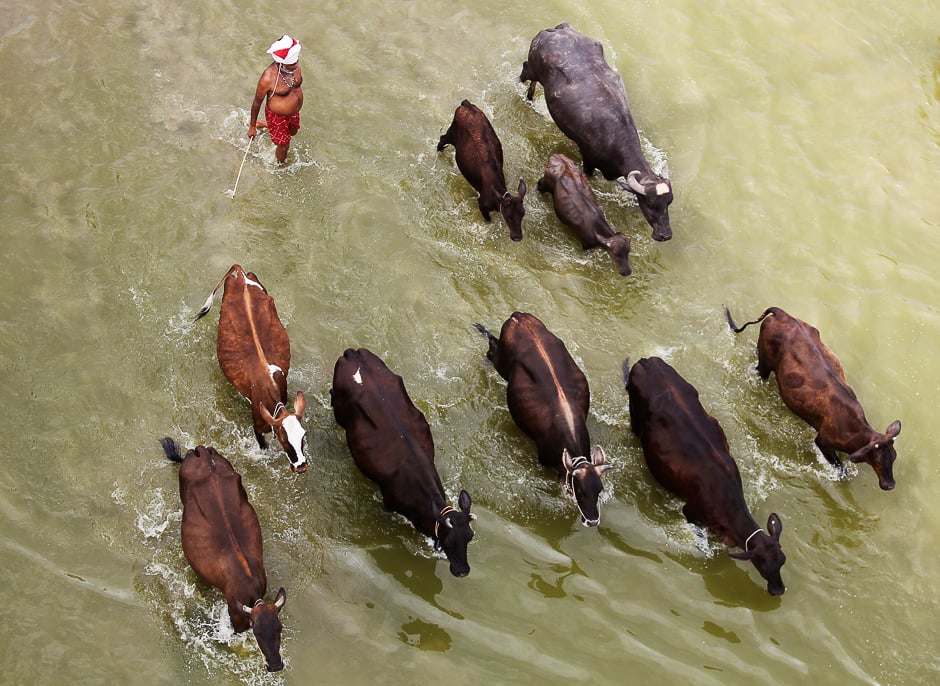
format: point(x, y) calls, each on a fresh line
point(254, 354)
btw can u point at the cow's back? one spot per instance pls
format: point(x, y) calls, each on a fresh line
point(221, 534)
point(251, 336)
point(383, 427)
point(685, 447)
point(587, 99)
point(808, 373)
point(547, 393)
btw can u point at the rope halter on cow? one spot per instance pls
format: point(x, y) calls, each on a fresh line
point(277, 410)
point(576, 464)
point(748, 540)
point(444, 512)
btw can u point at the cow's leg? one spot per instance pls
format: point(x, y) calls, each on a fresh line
point(831, 456)
point(446, 139)
point(483, 209)
point(763, 366)
point(261, 442)
point(692, 516)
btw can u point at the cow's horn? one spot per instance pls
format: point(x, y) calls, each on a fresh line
point(450, 524)
point(634, 183)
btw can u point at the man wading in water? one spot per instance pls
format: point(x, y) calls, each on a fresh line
point(280, 84)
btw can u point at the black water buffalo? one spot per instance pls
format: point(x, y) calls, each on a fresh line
point(587, 100)
point(687, 452)
point(576, 206)
point(222, 542)
point(812, 384)
point(548, 397)
point(254, 354)
point(391, 443)
point(480, 159)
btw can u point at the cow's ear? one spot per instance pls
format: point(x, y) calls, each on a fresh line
point(743, 555)
point(566, 460)
point(522, 188)
point(241, 606)
point(280, 599)
point(265, 415)
point(463, 502)
point(598, 456)
point(300, 403)
point(774, 526)
point(894, 429)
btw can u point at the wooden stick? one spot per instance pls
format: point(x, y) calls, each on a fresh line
point(242, 165)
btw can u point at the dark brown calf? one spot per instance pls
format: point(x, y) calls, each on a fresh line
point(549, 398)
point(687, 452)
point(254, 354)
point(391, 443)
point(221, 539)
point(576, 206)
point(480, 159)
point(812, 384)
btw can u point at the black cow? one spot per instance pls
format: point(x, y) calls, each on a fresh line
point(480, 159)
point(548, 397)
point(391, 443)
point(687, 452)
point(587, 100)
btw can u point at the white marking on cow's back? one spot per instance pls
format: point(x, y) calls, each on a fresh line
point(249, 282)
point(357, 377)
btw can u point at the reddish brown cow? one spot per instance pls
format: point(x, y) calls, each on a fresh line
point(576, 206)
point(812, 384)
point(391, 443)
point(221, 539)
point(549, 398)
point(687, 452)
point(254, 354)
point(480, 159)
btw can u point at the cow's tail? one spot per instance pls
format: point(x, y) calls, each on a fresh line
point(739, 329)
point(491, 339)
point(171, 449)
point(208, 304)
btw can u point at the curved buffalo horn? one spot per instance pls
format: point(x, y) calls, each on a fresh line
point(634, 184)
point(450, 524)
point(665, 173)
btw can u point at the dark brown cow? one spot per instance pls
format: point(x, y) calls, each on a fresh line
point(548, 397)
point(812, 384)
point(587, 100)
point(687, 452)
point(576, 206)
point(222, 542)
point(391, 443)
point(254, 354)
point(480, 159)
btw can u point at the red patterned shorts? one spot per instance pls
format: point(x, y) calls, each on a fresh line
point(281, 128)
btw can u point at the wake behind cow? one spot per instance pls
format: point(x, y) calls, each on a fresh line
point(576, 206)
point(687, 453)
point(254, 354)
point(588, 102)
point(391, 443)
point(812, 384)
point(222, 542)
point(479, 156)
point(549, 398)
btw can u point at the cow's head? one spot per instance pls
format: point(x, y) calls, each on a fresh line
point(654, 195)
point(291, 434)
point(880, 454)
point(452, 533)
point(266, 626)
point(583, 482)
point(764, 552)
point(618, 247)
point(512, 209)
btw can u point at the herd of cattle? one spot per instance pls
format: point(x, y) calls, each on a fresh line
point(547, 393)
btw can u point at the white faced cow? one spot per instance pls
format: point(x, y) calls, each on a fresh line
point(254, 354)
